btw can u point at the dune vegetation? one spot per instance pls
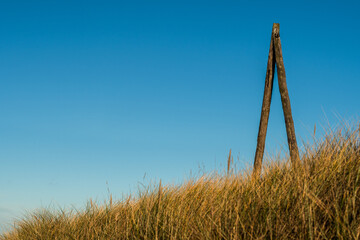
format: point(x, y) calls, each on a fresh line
point(318, 200)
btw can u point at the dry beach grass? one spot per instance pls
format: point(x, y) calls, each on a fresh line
point(321, 200)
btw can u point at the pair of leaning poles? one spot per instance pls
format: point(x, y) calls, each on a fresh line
point(275, 56)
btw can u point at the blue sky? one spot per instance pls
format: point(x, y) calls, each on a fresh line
point(96, 94)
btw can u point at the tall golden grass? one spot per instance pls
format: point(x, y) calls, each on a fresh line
point(319, 200)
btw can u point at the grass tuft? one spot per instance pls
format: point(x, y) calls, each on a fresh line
point(320, 200)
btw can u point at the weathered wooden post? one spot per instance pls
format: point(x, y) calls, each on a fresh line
point(275, 49)
point(265, 110)
point(285, 100)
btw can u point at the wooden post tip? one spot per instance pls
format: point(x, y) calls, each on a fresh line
point(276, 29)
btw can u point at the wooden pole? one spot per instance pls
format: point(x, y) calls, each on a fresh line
point(275, 56)
point(265, 110)
point(285, 100)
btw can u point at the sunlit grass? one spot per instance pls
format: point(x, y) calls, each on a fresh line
point(319, 200)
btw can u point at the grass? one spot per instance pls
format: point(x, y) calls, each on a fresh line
point(319, 200)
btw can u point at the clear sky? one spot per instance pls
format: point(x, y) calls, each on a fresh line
point(96, 94)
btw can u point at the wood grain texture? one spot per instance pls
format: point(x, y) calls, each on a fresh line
point(285, 99)
point(265, 110)
point(275, 57)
